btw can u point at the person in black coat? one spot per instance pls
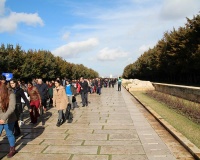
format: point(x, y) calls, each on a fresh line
point(43, 90)
point(84, 92)
point(99, 86)
point(19, 93)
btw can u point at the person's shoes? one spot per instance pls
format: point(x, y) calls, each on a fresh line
point(58, 123)
point(63, 120)
point(11, 153)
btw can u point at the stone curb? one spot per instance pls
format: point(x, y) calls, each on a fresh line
point(194, 150)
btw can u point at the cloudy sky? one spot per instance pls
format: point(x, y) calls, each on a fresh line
point(105, 35)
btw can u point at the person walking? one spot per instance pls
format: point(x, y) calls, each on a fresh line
point(84, 91)
point(43, 90)
point(60, 101)
point(50, 93)
point(7, 116)
point(35, 102)
point(78, 87)
point(99, 86)
point(21, 122)
point(19, 92)
point(119, 83)
point(70, 91)
point(113, 83)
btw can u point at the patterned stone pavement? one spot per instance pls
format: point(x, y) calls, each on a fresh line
point(113, 127)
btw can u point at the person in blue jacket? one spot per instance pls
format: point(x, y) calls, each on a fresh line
point(71, 92)
point(119, 83)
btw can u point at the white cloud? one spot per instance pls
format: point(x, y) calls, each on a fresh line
point(135, 26)
point(2, 7)
point(176, 9)
point(9, 23)
point(73, 48)
point(107, 54)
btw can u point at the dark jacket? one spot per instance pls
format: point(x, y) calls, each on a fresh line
point(19, 92)
point(100, 83)
point(84, 86)
point(43, 90)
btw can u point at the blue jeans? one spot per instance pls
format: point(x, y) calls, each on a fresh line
point(99, 90)
point(9, 132)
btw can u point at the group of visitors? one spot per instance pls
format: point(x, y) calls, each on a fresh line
point(38, 97)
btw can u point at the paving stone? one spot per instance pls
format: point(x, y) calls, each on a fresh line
point(113, 143)
point(56, 131)
point(116, 131)
point(123, 136)
point(29, 141)
point(80, 136)
point(118, 126)
point(90, 157)
point(82, 130)
point(40, 156)
point(129, 157)
point(45, 136)
point(123, 121)
point(122, 150)
point(61, 142)
point(72, 149)
point(84, 121)
point(30, 148)
point(77, 126)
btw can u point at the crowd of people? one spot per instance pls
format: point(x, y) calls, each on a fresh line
point(39, 96)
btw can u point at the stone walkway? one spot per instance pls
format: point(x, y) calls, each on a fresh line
point(112, 127)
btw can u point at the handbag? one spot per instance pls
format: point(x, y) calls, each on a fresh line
point(73, 99)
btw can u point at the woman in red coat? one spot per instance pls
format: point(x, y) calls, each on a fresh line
point(35, 102)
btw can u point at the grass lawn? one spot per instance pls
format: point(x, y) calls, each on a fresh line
point(185, 126)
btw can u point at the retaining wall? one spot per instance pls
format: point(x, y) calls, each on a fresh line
point(186, 92)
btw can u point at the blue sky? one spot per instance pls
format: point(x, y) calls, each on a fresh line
point(105, 35)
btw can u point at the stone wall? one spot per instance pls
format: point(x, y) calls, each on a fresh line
point(186, 92)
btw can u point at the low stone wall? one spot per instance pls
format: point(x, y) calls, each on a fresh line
point(186, 92)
